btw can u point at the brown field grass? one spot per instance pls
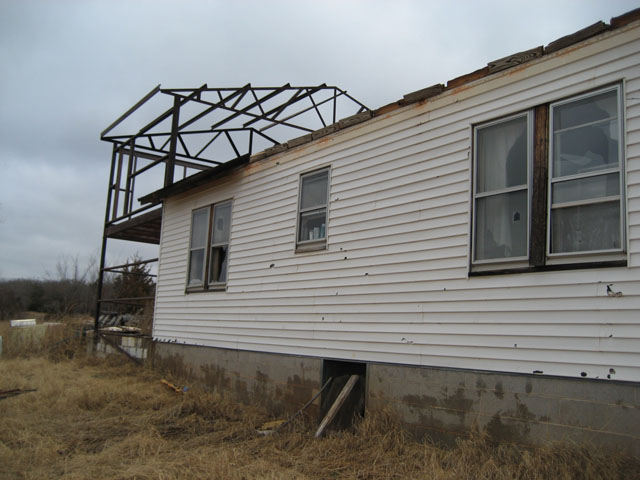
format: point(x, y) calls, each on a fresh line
point(95, 418)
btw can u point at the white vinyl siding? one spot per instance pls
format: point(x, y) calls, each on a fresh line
point(393, 284)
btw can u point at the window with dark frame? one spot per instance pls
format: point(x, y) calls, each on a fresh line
point(548, 186)
point(312, 210)
point(209, 247)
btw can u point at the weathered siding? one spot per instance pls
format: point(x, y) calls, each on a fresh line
point(393, 285)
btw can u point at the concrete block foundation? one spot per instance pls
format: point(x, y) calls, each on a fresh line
point(138, 347)
point(529, 410)
point(437, 403)
point(282, 383)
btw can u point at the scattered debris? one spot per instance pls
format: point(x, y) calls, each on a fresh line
point(173, 387)
point(270, 427)
point(267, 428)
point(25, 322)
point(118, 348)
point(123, 329)
point(12, 393)
point(121, 320)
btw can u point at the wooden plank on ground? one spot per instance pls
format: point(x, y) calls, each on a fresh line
point(342, 396)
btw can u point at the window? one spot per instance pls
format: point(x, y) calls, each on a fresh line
point(586, 175)
point(312, 210)
point(209, 247)
point(220, 243)
point(548, 185)
point(501, 194)
point(198, 247)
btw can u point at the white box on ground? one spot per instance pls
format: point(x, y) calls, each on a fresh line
point(25, 322)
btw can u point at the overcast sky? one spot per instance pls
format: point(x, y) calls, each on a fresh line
point(69, 68)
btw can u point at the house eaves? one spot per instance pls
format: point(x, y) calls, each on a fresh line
point(196, 180)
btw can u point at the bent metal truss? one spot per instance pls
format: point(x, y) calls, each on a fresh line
point(178, 133)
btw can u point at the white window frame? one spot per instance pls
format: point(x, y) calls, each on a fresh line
point(201, 284)
point(207, 284)
point(591, 255)
point(319, 243)
point(504, 262)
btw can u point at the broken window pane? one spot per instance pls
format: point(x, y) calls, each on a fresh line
point(595, 108)
point(586, 141)
point(586, 149)
point(218, 266)
point(214, 241)
point(502, 163)
point(502, 225)
point(501, 155)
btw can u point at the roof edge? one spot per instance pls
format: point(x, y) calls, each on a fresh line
point(493, 67)
point(513, 60)
point(200, 178)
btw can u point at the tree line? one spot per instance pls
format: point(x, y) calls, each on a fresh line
point(73, 290)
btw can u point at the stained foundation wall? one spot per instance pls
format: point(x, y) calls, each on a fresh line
point(438, 403)
point(282, 383)
point(444, 404)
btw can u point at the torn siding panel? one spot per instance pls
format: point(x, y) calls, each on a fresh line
point(396, 264)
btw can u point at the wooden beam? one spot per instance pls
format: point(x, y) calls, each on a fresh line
point(342, 396)
point(538, 240)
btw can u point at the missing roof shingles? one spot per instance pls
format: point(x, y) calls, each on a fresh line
point(422, 94)
point(576, 37)
point(514, 59)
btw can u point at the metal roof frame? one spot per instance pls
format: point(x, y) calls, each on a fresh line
point(266, 108)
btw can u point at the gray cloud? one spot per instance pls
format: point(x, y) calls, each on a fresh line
point(71, 67)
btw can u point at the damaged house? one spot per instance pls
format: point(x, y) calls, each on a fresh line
point(471, 251)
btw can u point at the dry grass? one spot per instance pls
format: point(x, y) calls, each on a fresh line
point(60, 339)
point(100, 419)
